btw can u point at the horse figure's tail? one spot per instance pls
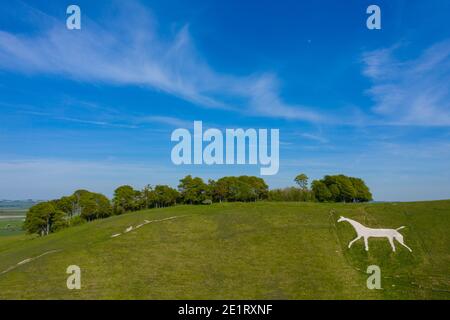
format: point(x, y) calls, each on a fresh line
point(400, 228)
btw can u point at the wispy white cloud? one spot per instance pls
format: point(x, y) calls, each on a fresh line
point(126, 50)
point(264, 97)
point(66, 111)
point(413, 91)
point(97, 123)
point(170, 121)
point(79, 120)
point(314, 137)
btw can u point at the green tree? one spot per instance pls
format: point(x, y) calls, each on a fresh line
point(193, 190)
point(362, 191)
point(335, 192)
point(125, 199)
point(85, 204)
point(44, 218)
point(346, 189)
point(242, 188)
point(148, 197)
point(290, 194)
point(321, 191)
point(165, 196)
point(302, 181)
point(218, 190)
point(257, 185)
point(95, 206)
point(348, 192)
point(69, 205)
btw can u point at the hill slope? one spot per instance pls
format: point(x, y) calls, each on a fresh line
point(236, 251)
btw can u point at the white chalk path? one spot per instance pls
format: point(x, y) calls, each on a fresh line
point(27, 261)
point(131, 228)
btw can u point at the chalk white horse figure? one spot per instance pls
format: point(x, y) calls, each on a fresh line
point(366, 233)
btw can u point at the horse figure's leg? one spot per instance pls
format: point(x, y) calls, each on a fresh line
point(400, 240)
point(366, 243)
point(391, 241)
point(356, 239)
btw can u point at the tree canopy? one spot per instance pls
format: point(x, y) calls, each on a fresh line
point(193, 190)
point(47, 217)
point(302, 181)
point(44, 218)
point(242, 188)
point(340, 188)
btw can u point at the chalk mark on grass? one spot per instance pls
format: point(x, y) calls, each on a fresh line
point(130, 228)
point(367, 216)
point(28, 260)
point(332, 219)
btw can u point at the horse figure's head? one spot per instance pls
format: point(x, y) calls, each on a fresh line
point(342, 219)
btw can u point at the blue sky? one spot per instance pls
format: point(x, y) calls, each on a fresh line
point(94, 108)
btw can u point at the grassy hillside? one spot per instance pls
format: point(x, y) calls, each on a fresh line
point(236, 251)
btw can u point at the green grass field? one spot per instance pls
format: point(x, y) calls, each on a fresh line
point(11, 220)
point(9, 227)
point(236, 251)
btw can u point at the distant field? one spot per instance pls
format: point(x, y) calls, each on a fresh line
point(12, 212)
point(11, 218)
point(10, 227)
point(258, 250)
point(15, 207)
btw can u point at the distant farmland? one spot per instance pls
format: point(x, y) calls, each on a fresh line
point(10, 227)
point(12, 214)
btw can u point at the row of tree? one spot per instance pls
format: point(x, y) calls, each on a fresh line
point(47, 217)
point(191, 190)
point(82, 206)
